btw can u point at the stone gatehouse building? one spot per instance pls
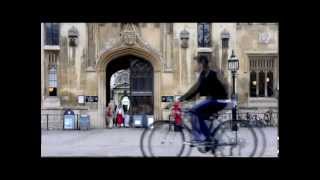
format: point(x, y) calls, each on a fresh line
point(78, 61)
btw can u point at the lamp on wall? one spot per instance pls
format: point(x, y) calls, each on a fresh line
point(73, 35)
point(184, 36)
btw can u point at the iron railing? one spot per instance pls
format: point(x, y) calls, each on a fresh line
point(256, 119)
point(56, 121)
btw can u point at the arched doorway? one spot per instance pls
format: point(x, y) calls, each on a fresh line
point(116, 54)
point(140, 83)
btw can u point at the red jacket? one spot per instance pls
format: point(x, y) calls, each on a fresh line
point(176, 112)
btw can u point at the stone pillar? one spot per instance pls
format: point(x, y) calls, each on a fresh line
point(168, 49)
point(99, 122)
point(257, 86)
point(156, 95)
point(42, 62)
point(91, 46)
point(184, 68)
point(184, 37)
point(180, 71)
point(162, 41)
point(265, 84)
point(225, 36)
point(224, 63)
point(169, 45)
point(45, 74)
point(276, 74)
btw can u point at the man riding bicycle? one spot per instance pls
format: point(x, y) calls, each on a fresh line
point(210, 89)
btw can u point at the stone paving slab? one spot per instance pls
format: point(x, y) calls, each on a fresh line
point(117, 142)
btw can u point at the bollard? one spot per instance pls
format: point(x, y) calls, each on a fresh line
point(78, 128)
point(76, 124)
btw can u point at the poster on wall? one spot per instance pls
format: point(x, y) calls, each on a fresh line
point(81, 99)
point(167, 99)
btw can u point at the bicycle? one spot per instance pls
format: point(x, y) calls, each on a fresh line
point(227, 138)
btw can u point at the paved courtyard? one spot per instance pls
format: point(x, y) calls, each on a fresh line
point(123, 142)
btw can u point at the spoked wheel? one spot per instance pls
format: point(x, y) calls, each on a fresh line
point(212, 124)
point(234, 139)
point(144, 139)
point(166, 140)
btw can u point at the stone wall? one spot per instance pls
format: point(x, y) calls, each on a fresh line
point(249, 41)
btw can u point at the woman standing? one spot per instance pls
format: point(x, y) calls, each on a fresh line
point(120, 115)
point(109, 115)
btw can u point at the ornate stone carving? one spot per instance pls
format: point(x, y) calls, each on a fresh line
point(264, 38)
point(128, 34)
point(131, 38)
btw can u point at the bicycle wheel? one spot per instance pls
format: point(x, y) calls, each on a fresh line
point(166, 140)
point(144, 139)
point(261, 138)
point(262, 141)
point(228, 142)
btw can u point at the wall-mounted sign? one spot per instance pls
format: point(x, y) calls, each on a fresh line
point(167, 98)
point(81, 99)
point(91, 98)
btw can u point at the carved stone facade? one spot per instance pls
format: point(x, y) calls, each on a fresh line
point(81, 65)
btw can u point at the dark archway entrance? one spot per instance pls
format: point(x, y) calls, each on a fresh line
point(141, 83)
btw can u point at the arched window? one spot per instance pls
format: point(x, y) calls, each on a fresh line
point(204, 35)
point(52, 81)
point(253, 84)
point(52, 31)
point(270, 84)
point(261, 84)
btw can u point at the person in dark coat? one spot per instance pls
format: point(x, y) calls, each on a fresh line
point(210, 89)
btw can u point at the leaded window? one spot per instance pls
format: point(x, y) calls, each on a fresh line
point(52, 31)
point(204, 35)
point(261, 84)
point(262, 69)
point(270, 83)
point(253, 84)
point(52, 81)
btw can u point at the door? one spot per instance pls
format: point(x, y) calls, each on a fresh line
point(141, 87)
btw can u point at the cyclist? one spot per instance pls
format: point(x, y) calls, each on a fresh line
point(210, 89)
